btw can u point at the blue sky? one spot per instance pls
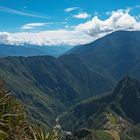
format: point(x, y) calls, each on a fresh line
point(53, 11)
point(32, 16)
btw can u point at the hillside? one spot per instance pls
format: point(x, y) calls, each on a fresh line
point(106, 124)
point(47, 85)
point(116, 113)
point(117, 53)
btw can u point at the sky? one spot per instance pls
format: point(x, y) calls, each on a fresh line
point(65, 22)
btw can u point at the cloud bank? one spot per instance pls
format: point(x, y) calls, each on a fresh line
point(119, 20)
point(80, 34)
point(46, 38)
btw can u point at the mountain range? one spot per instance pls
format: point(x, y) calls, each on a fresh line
point(32, 50)
point(48, 86)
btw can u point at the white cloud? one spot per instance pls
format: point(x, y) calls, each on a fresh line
point(50, 38)
point(33, 25)
point(4, 37)
point(30, 26)
point(82, 15)
point(80, 34)
point(18, 12)
point(127, 10)
point(70, 9)
point(119, 20)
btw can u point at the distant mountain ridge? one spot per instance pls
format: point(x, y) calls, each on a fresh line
point(31, 50)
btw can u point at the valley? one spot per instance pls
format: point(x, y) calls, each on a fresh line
point(69, 70)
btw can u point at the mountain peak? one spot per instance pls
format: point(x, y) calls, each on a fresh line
point(126, 79)
point(113, 39)
point(127, 85)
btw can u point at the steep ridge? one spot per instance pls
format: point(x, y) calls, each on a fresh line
point(113, 116)
point(123, 104)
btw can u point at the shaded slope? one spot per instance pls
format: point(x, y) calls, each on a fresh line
point(123, 102)
point(47, 85)
point(118, 53)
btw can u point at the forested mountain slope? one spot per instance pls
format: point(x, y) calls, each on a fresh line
point(48, 85)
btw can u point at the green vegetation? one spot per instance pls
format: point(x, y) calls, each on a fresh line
point(47, 86)
point(102, 135)
point(14, 124)
point(131, 134)
point(113, 114)
point(40, 134)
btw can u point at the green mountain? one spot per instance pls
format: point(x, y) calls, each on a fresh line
point(116, 113)
point(117, 54)
point(48, 85)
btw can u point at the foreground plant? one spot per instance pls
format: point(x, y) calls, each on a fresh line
point(40, 134)
point(14, 124)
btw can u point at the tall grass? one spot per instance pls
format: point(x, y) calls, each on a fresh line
point(14, 124)
point(40, 134)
